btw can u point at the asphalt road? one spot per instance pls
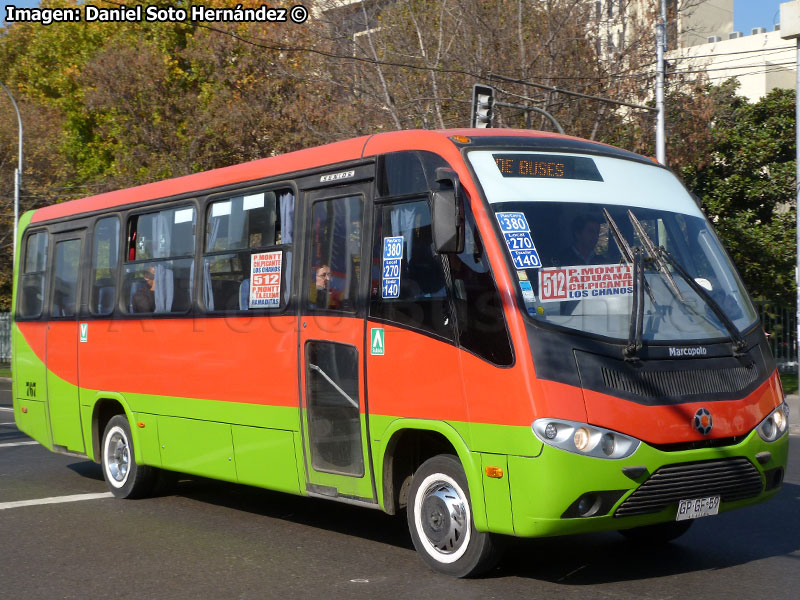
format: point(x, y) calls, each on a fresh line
point(220, 541)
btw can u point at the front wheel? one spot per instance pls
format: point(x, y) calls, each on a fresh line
point(440, 520)
point(124, 477)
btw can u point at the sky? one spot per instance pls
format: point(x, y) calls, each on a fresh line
point(746, 13)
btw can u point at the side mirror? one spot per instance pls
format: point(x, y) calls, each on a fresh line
point(447, 207)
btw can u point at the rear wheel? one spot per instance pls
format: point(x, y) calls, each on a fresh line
point(660, 533)
point(124, 477)
point(441, 524)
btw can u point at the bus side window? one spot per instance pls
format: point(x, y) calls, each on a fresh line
point(241, 229)
point(31, 294)
point(479, 310)
point(65, 278)
point(335, 254)
point(158, 278)
point(419, 299)
point(104, 266)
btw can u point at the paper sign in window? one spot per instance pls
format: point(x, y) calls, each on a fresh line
point(253, 201)
point(221, 209)
point(581, 282)
point(184, 216)
point(392, 257)
point(265, 279)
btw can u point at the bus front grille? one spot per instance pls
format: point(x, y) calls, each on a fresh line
point(652, 384)
point(731, 479)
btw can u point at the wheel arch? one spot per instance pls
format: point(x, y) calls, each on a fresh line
point(410, 442)
point(106, 406)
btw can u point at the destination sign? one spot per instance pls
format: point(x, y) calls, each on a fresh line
point(547, 166)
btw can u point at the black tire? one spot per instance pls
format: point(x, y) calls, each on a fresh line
point(660, 533)
point(440, 519)
point(124, 477)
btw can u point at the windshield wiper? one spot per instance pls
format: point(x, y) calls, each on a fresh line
point(633, 257)
point(735, 334)
point(637, 308)
point(652, 250)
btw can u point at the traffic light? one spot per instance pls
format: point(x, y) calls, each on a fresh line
point(482, 105)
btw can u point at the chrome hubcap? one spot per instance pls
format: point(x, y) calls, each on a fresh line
point(444, 517)
point(117, 457)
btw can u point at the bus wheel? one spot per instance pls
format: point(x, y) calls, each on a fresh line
point(124, 477)
point(660, 533)
point(440, 519)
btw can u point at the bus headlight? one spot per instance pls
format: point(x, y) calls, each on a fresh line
point(584, 439)
point(775, 425)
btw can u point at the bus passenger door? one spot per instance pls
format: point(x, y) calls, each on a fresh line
point(333, 407)
point(62, 341)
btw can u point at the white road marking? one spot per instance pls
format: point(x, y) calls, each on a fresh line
point(6, 409)
point(55, 500)
point(7, 423)
point(19, 444)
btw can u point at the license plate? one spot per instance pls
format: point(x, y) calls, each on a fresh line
point(697, 507)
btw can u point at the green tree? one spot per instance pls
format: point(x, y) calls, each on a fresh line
point(746, 181)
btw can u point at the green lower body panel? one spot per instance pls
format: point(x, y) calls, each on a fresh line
point(31, 419)
point(266, 455)
point(545, 490)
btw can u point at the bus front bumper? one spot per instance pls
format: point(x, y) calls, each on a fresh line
point(560, 493)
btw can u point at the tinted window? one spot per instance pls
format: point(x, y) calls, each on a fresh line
point(156, 281)
point(247, 259)
point(408, 282)
point(65, 284)
point(335, 256)
point(104, 266)
point(334, 418)
point(479, 311)
point(31, 298)
point(404, 173)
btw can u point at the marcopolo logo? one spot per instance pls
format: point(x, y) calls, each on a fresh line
point(695, 351)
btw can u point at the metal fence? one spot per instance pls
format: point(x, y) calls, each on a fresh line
point(5, 337)
point(780, 322)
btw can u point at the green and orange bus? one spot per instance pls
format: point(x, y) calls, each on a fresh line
point(499, 332)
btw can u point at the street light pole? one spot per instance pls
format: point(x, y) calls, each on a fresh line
point(661, 43)
point(17, 176)
point(790, 30)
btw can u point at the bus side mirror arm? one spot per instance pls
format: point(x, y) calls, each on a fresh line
point(447, 210)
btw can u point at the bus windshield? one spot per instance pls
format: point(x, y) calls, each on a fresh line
point(558, 215)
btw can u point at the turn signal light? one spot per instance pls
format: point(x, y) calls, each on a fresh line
point(24, 409)
point(140, 424)
point(495, 472)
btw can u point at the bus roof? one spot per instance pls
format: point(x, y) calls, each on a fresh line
point(438, 141)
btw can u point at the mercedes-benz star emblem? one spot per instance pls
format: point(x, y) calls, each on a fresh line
point(703, 422)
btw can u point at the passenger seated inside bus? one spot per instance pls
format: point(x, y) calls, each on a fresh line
point(320, 295)
point(143, 299)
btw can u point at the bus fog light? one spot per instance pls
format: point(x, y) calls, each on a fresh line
point(550, 431)
point(581, 438)
point(607, 444)
point(588, 505)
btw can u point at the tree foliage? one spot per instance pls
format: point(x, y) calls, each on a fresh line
point(746, 184)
